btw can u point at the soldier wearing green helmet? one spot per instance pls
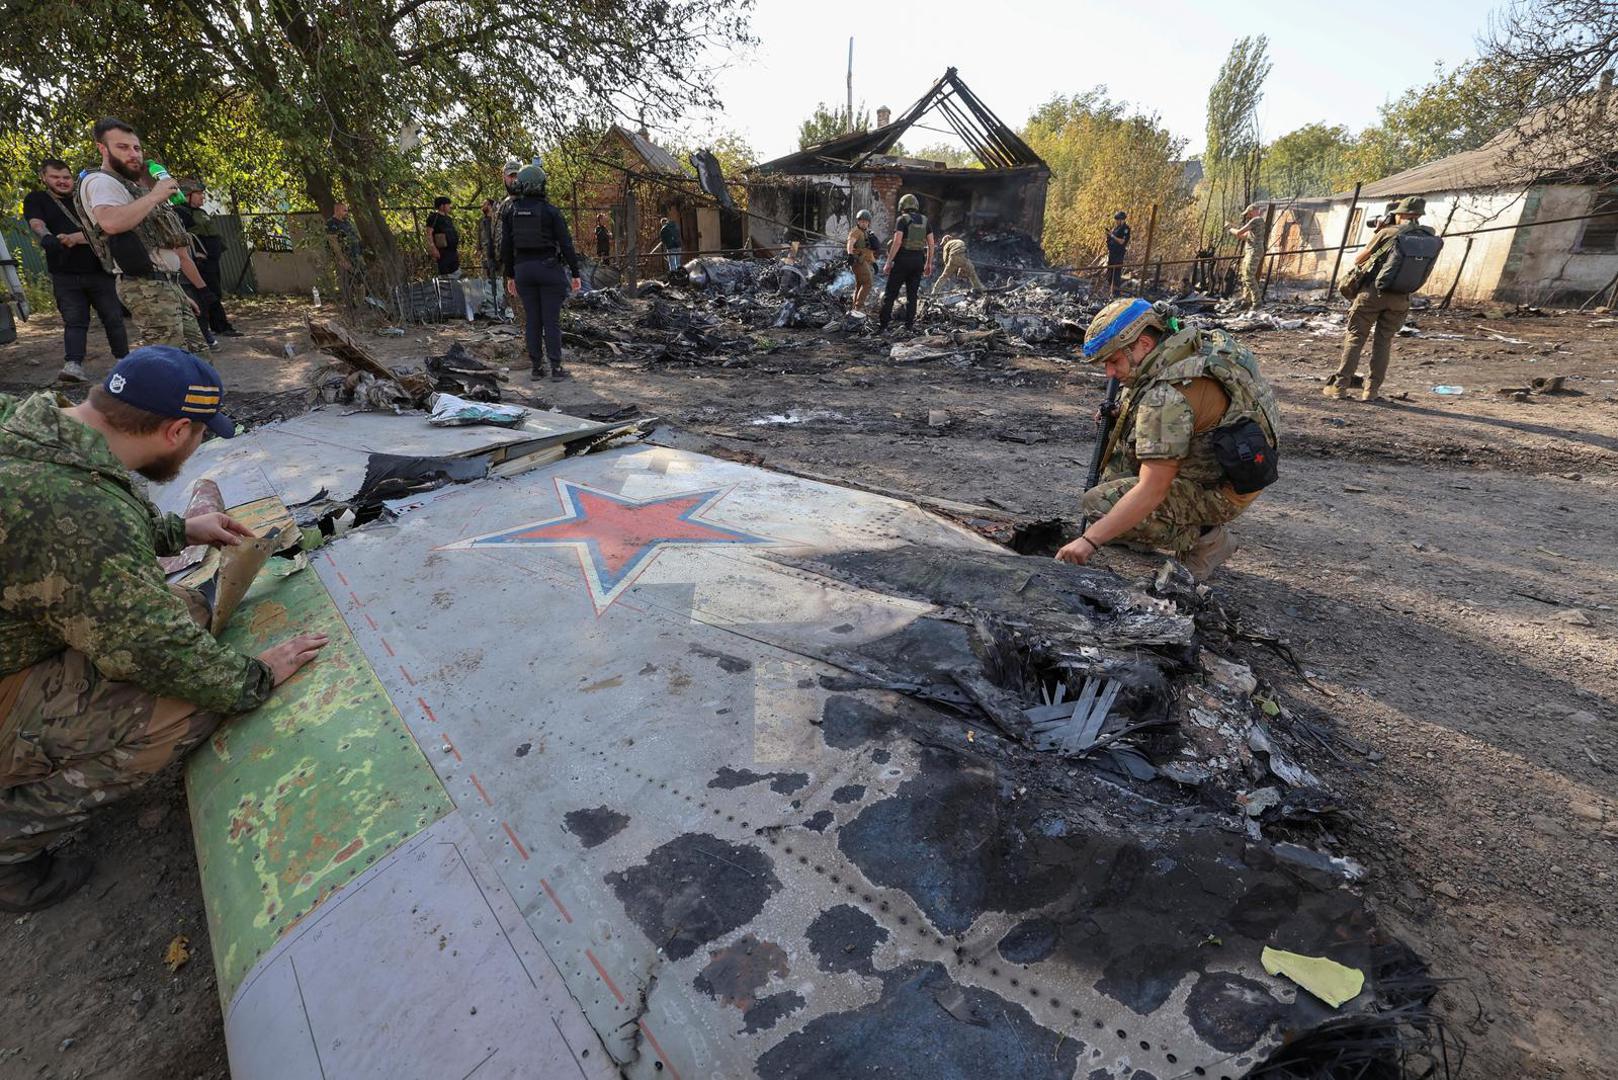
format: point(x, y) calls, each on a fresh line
point(1381, 305)
point(1195, 440)
point(861, 249)
point(910, 258)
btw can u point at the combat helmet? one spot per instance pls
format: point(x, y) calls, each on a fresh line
point(1117, 325)
point(908, 202)
point(863, 215)
point(531, 181)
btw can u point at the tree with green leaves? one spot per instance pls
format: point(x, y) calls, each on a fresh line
point(366, 97)
point(1235, 147)
point(826, 123)
point(1104, 157)
point(1307, 161)
point(956, 157)
point(1459, 110)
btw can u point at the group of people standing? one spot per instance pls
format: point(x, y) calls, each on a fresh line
point(130, 242)
point(910, 254)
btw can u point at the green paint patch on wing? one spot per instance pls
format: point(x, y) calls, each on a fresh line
point(291, 801)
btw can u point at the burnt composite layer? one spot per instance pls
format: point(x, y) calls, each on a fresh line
point(906, 1029)
point(693, 890)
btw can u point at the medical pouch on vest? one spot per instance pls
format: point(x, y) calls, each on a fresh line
point(1409, 262)
point(1246, 455)
point(531, 231)
point(915, 233)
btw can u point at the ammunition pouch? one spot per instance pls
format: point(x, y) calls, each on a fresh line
point(1245, 454)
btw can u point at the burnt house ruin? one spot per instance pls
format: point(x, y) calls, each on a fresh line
point(812, 196)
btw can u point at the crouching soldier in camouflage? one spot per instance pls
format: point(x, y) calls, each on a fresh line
point(1194, 442)
point(106, 674)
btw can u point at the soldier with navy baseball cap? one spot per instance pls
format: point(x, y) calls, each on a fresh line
point(107, 674)
point(170, 382)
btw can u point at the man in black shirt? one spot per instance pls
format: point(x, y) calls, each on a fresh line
point(1117, 245)
point(442, 238)
point(77, 278)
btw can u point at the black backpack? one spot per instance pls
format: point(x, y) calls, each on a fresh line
point(1409, 262)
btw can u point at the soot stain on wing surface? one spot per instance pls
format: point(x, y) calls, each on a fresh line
point(764, 1015)
point(1139, 917)
point(1229, 1012)
point(733, 664)
point(819, 821)
point(694, 889)
point(846, 722)
point(848, 793)
point(736, 973)
point(906, 1025)
point(844, 938)
point(596, 826)
point(730, 779)
point(949, 840)
point(1029, 942)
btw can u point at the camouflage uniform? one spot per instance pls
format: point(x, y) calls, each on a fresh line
point(157, 305)
point(160, 313)
point(1252, 259)
point(957, 265)
point(106, 675)
point(1155, 423)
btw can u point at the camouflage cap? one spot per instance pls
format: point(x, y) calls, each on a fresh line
point(1117, 325)
point(512, 166)
point(1415, 204)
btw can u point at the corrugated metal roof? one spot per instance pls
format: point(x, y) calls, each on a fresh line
point(656, 158)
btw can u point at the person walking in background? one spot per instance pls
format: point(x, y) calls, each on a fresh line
point(78, 280)
point(535, 243)
point(910, 258)
point(1251, 232)
point(668, 238)
point(201, 225)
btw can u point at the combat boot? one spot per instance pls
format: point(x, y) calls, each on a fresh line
point(41, 882)
point(72, 371)
point(1211, 549)
point(1371, 393)
point(1335, 392)
point(558, 372)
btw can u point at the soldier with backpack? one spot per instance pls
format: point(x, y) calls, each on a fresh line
point(1396, 263)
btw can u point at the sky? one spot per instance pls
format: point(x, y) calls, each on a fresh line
point(1016, 54)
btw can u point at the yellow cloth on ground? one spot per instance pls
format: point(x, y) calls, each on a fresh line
point(1328, 980)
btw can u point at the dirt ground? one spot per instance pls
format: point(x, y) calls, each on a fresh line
point(1444, 566)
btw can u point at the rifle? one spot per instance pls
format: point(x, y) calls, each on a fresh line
point(1105, 418)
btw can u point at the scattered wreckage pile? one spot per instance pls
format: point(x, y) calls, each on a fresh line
point(721, 311)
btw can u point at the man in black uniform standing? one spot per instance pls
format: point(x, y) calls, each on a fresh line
point(910, 258)
point(442, 238)
point(77, 277)
point(534, 244)
point(1117, 246)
